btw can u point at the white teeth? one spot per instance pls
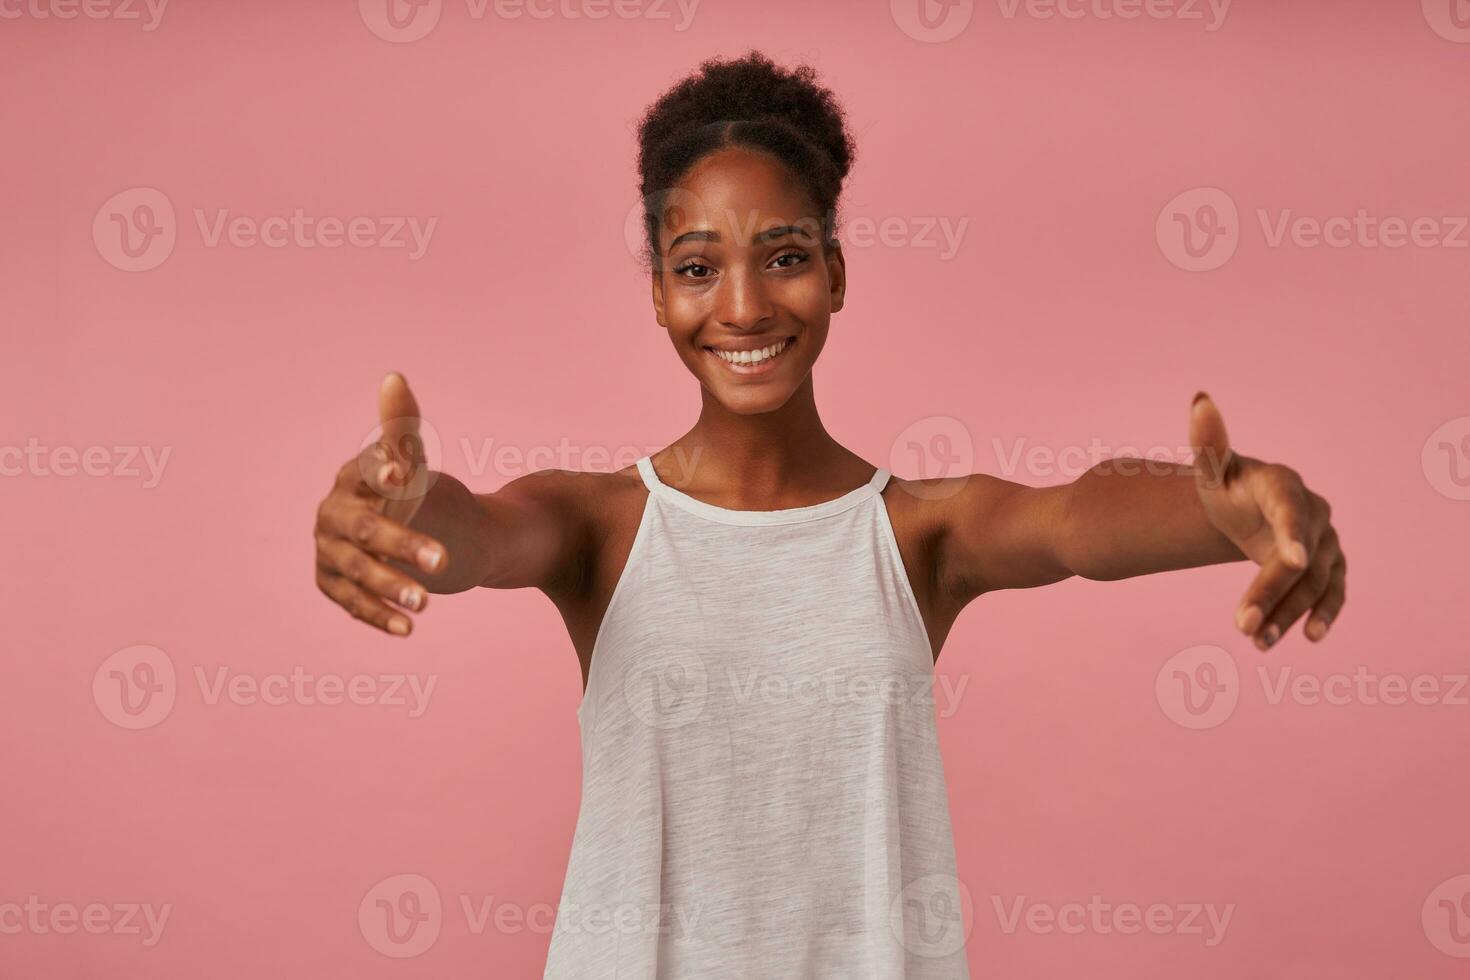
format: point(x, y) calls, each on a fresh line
point(752, 356)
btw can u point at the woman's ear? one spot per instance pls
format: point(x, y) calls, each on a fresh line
point(658, 299)
point(837, 274)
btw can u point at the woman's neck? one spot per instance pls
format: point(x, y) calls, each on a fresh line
point(765, 461)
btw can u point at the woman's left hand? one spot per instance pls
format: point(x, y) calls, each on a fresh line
point(1285, 528)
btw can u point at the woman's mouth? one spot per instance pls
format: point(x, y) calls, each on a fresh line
point(750, 361)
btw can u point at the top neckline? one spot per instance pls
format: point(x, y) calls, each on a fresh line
point(788, 515)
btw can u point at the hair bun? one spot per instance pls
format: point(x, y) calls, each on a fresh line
point(749, 101)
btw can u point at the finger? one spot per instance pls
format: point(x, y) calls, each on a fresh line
point(352, 563)
point(1330, 603)
point(1307, 591)
point(371, 531)
point(1274, 580)
point(352, 475)
point(1281, 498)
point(398, 412)
point(381, 475)
point(369, 609)
point(1213, 459)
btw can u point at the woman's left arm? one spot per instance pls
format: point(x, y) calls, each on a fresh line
point(1133, 517)
point(1127, 517)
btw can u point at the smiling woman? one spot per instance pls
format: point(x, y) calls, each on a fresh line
point(754, 605)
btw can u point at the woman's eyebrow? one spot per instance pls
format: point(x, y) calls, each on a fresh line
point(694, 236)
point(714, 236)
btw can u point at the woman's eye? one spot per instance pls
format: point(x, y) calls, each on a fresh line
point(693, 270)
point(790, 255)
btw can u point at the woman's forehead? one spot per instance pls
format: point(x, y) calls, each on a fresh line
point(738, 196)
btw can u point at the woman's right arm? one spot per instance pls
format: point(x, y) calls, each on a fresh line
point(390, 530)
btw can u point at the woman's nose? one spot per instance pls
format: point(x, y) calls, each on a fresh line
point(744, 303)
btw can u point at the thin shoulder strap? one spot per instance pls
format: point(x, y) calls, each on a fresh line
point(645, 470)
point(879, 480)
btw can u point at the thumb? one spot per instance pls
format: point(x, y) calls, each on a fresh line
point(398, 413)
point(1213, 459)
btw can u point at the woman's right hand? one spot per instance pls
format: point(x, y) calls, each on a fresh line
point(362, 524)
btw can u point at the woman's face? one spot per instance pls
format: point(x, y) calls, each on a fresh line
point(745, 289)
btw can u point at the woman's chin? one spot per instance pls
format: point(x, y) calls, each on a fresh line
point(752, 400)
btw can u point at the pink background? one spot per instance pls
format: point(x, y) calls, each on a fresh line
point(1334, 830)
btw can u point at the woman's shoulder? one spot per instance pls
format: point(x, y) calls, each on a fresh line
point(591, 504)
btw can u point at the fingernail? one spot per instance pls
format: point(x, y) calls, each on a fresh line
point(1314, 629)
point(1296, 553)
point(430, 556)
point(409, 598)
point(1249, 620)
point(1272, 632)
point(1197, 396)
point(397, 626)
point(384, 472)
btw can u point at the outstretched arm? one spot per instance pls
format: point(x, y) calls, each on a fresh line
point(1127, 517)
point(391, 530)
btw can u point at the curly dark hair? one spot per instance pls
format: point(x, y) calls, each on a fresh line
point(751, 102)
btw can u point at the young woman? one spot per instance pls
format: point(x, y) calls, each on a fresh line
point(756, 609)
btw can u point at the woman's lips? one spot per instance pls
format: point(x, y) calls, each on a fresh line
point(747, 362)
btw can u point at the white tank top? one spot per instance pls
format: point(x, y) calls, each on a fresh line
point(762, 791)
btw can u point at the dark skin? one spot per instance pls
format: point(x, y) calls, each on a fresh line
point(743, 268)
